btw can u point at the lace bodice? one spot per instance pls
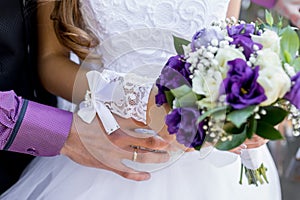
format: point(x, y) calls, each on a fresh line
point(136, 37)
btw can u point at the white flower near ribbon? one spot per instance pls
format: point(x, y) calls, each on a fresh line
point(101, 90)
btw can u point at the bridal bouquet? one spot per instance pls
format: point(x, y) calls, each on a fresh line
point(233, 80)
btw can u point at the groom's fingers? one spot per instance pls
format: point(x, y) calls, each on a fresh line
point(110, 159)
point(131, 174)
point(143, 156)
point(116, 155)
point(120, 169)
point(124, 140)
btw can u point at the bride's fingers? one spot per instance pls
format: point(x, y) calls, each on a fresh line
point(255, 141)
point(238, 149)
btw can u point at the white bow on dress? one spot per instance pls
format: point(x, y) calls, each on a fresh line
point(101, 90)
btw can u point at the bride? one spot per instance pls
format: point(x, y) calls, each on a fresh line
point(135, 38)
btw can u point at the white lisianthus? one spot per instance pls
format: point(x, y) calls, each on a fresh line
point(208, 84)
point(272, 76)
point(227, 54)
point(269, 39)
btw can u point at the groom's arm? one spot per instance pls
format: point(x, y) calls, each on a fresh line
point(32, 128)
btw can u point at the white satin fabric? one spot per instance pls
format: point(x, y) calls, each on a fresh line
point(136, 37)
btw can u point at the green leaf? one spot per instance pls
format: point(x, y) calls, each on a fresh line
point(296, 64)
point(267, 131)
point(280, 22)
point(251, 127)
point(212, 111)
point(237, 140)
point(289, 44)
point(178, 42)
point(181, 91)
point(269, 18)
point(287, 56)
point(170, 98)
point(239, 117)
point(274, 115)
point(186, 100)
point(230, 128)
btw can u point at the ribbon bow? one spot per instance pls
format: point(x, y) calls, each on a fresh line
point(101, 89)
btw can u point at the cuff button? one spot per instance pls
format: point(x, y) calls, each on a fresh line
point(32, 151)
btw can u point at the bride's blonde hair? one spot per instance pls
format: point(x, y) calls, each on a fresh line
point(70, 28)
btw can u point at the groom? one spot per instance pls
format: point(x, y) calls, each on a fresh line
point(31, 128)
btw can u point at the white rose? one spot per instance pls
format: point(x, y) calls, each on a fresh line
point(207, 85)
point(272, 77)
point(269, 39)
point(227, 54)
point(268, 59)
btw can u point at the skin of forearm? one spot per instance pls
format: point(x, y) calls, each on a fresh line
point(58, 74)
point(62, 77)
point(234, 9)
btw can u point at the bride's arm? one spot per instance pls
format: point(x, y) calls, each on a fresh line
point(58, 75)
point(234, 9)
point(57, 72)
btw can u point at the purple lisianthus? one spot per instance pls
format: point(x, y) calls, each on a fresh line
point(247, 44)
point(241, 86)
point(294, 94)
point(241, 29)
point(204, 37)
point(183, 123)
point(241, 35)
point(174, 74)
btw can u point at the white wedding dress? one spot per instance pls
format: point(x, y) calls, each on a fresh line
point(136, 37)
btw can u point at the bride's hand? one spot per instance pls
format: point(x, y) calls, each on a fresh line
point(254, 142)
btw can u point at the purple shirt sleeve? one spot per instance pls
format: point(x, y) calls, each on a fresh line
point(32, 128)
point(265, 3)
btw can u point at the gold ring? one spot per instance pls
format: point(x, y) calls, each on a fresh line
point(148, 149)
point(134, 156)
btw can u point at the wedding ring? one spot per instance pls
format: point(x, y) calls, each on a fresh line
point(134, 156)
point(148, 149)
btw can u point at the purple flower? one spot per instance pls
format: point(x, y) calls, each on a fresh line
point(241, 35)
point(247, 44)
point(294, 94)
point(204, 37)
point(241, 29)
point(241, 86)
point(183, 123)
point(174, 74)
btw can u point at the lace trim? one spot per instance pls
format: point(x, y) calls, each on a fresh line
point(130, 96)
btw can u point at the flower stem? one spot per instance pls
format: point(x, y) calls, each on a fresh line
point(241, 174)
point(254, 176)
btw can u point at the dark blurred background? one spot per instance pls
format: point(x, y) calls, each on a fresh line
point(284, 152)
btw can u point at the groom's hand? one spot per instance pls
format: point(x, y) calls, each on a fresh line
point(87, 144)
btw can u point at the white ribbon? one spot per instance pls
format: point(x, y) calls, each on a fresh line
point(101, 90)
point(253, 158)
